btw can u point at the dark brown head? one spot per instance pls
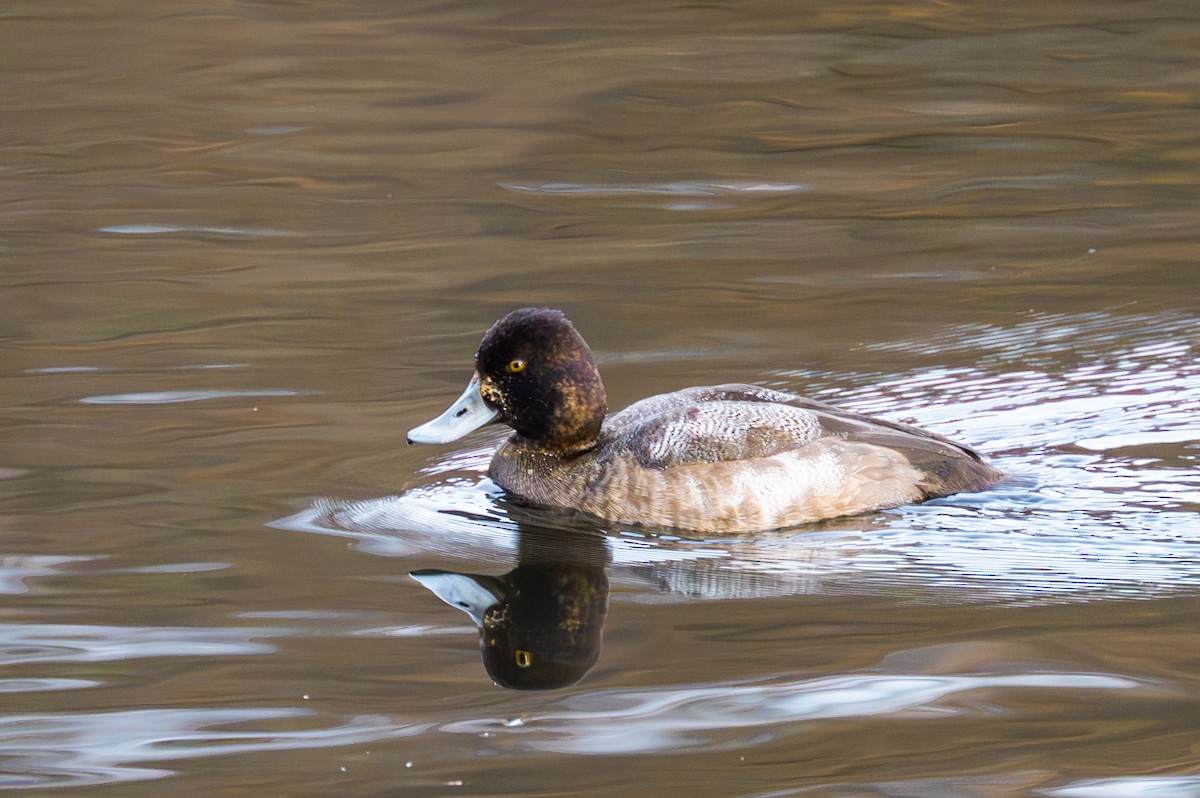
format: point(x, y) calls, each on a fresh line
point(538, 372)
point(535, 373)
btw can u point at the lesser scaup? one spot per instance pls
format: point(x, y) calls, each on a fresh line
point(725, 458)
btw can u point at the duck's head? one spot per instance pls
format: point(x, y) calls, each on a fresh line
point(536, 374)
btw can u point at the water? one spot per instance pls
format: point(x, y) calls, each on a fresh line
point(245, 247)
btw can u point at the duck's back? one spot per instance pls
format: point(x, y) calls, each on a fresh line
point(740, 457)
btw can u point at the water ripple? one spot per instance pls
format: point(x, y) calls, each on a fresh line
point(724, 716)
point(161, 229)
point(1132, 787)
point(15, 569)
point(21, 644)
point(44, 685)
point(683, 188)
point(172, 397)
point(108, 747)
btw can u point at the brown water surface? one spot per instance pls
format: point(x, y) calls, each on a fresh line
point(244, 246)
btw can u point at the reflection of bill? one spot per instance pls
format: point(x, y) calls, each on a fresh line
point(540, 624)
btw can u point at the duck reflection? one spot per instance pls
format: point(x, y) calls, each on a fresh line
point(539, 624)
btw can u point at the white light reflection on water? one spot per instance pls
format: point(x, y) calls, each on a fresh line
point(167, 229)
point(79, 749)
point(685, 188)
point(723, 716)
point(1019, 782)
point(44, 685)
point(1101, 445)
point(1132, 787)
point(174, 397)
point(22, 644)
point(15, 569)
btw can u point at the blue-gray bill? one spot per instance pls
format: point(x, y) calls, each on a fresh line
point(468, 413)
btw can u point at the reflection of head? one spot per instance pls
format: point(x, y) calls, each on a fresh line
point(545, 632)
point(539, 625)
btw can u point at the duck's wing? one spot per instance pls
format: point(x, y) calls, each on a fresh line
point(733, 422)
point(663, 406)
point(716, 430)
point(948, 466)
point(835, 421)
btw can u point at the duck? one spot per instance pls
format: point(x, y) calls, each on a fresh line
point(732, 458)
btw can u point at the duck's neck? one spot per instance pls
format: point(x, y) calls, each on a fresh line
point(559, 450)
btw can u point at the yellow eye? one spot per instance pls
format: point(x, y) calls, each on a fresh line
point(515, 366)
